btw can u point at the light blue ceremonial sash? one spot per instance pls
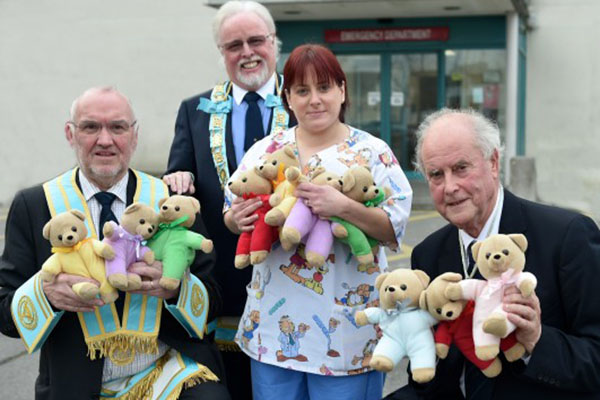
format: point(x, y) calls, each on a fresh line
point(191, 309)
point(32, 314)
point(219, 106)
point(163, 380)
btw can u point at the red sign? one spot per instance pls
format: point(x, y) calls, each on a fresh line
point(386, 35)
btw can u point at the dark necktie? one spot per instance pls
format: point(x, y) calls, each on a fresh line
point(471, 265)
point(105, 199)
point(254, 124)
point(477, 385)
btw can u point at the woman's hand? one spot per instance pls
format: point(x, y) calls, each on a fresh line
point(323, 200)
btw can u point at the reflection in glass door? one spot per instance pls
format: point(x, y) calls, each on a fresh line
point(413, 96)
point(363, 73)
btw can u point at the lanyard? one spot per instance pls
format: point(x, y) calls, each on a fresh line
point(464, 256)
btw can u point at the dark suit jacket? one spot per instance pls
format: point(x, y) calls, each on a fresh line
point(66, 372)
point(190, 151)
point(564, 255)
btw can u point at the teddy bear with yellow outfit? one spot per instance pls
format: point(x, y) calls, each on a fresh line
point(75, 254)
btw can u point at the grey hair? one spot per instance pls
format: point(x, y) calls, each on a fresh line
point(101, 89)
point(487, 133)
point(232, 8)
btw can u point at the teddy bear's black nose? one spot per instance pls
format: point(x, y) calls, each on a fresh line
point(403, 287)
point(229, 184)
point(497, 256)
point(449, 314)
point(390, 289)
point(70, 237)
point(150, 230)
point(376, 191)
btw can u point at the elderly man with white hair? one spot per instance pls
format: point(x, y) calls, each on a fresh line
point(212, 133)
point(458, 151)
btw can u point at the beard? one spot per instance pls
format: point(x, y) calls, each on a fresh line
point(256, 79)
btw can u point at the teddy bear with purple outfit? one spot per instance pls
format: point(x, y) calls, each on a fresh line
point(303, 225)
point(138, 224)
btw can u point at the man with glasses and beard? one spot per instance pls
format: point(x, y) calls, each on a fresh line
point(212, 133)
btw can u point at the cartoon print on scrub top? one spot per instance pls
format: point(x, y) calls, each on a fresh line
point(259, 285)
point(333, 324)
point(250, 325)
point(364, 359)
point(298, 263)
point(355, 296)
point(289, 340)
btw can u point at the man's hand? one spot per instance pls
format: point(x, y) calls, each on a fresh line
point(242, 213)
point(150, 275)
point(62, 297)
point(526, 314)
point(180, 182)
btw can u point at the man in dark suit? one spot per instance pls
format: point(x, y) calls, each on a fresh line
point(559, 326)
point(103, 133)
point(212, 132)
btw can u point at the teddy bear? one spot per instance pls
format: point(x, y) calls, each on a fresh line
point(74, 253)
point(303, 224)
point(275, 168)
point(254, 246)
point(358, 184)
point(406, 328)
point(138, 224)
point(500, 260)
point(456, 325)
point(174, 244)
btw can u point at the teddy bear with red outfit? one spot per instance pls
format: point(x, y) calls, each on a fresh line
point(456, 326)
point(253, 247)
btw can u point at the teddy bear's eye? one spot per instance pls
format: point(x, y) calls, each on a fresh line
point(59, 237)
point(329, 178)
point(438, 310)
point(505, 252)
point(403, 287)
point(165, 208)
point(177, 208)
point(142, 221)
point(74, 229)
point(488, 255)
point(244, 180)
point(274, 162)
point(365, 189)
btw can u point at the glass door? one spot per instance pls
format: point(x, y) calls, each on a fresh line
point(414, 94)
point(363, 72)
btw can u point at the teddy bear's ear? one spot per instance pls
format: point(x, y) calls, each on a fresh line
point(423, 277)
point(380, 279)
point(195, 204)
point(289, 150)
point(475, 250)
point(162, 201)
point(46, 230)
point(78, 214)
point(132, 208)
point(451, 277)
point(366, 167)
point(317, 171)
point(423, 300)
point(520, 240)
point(348, 181)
